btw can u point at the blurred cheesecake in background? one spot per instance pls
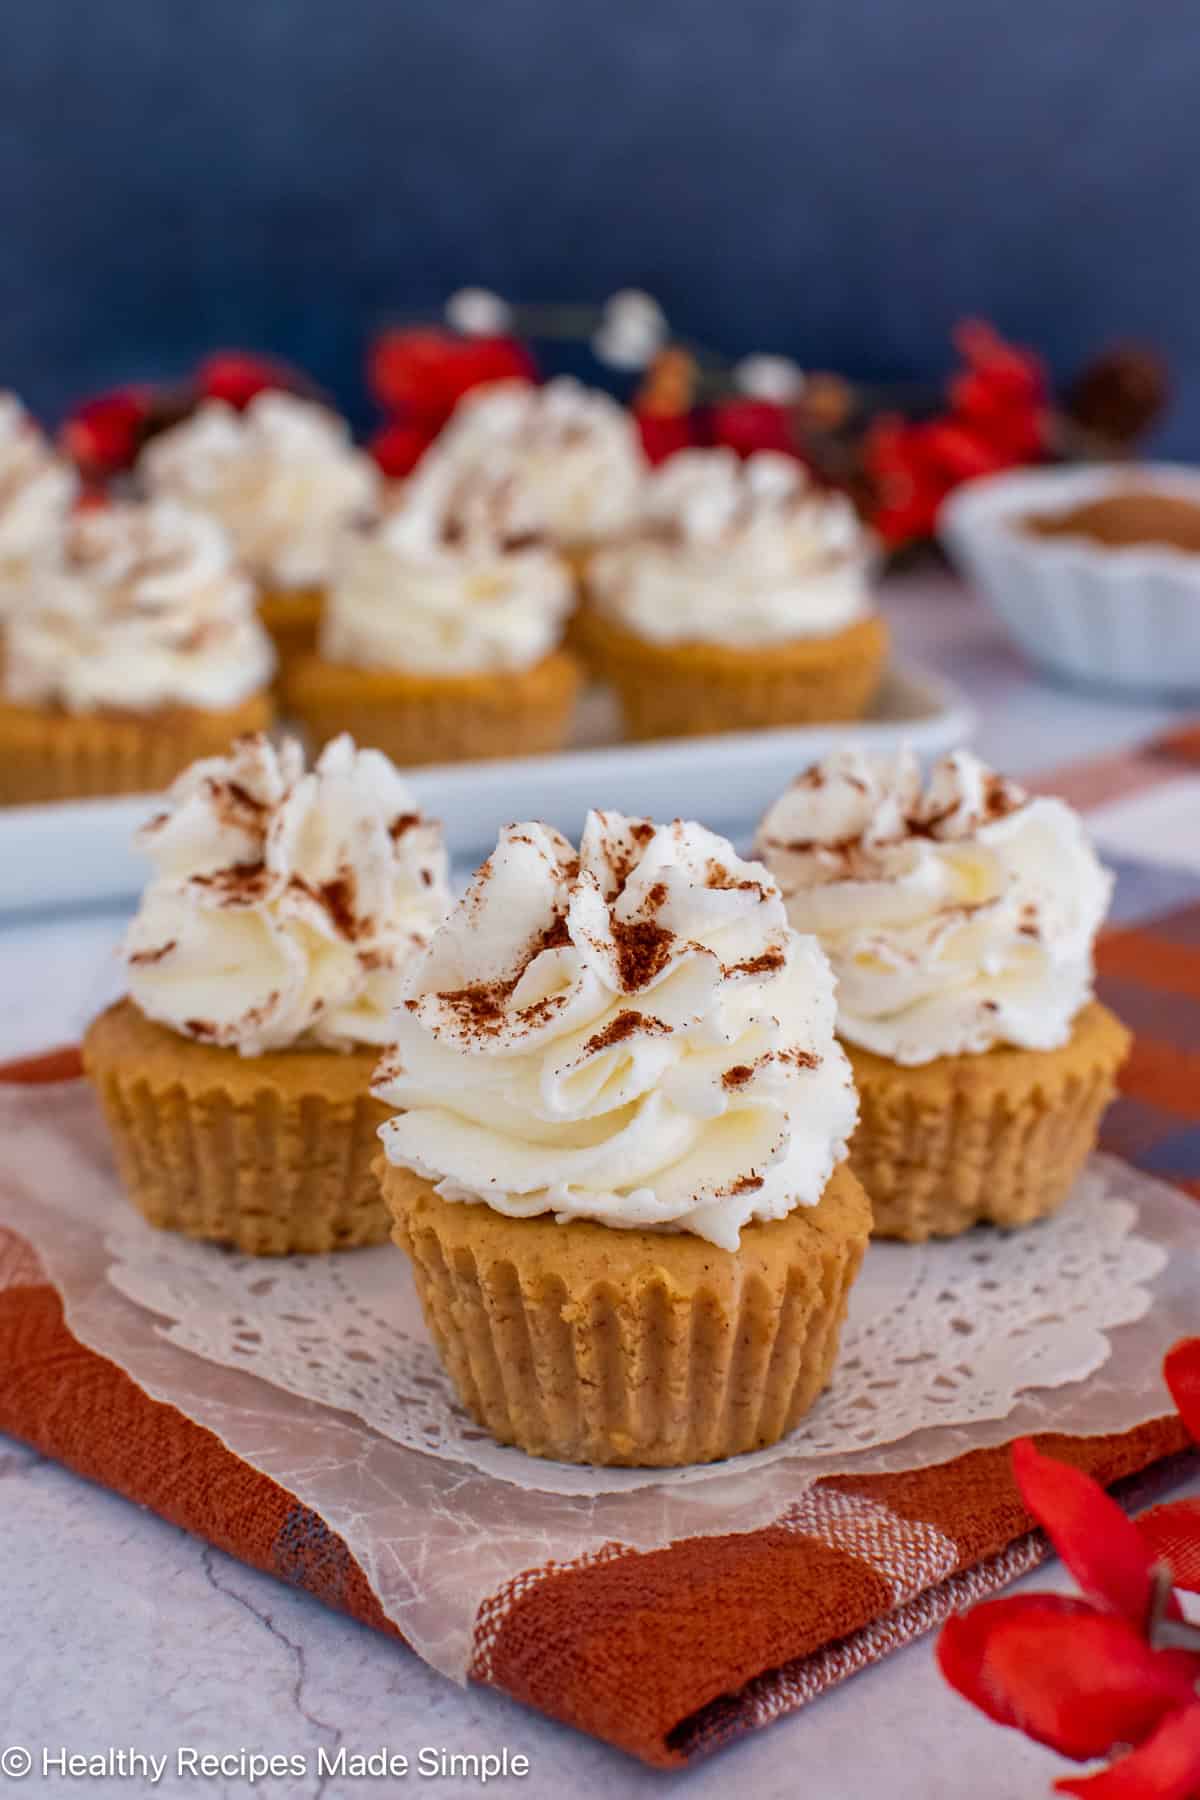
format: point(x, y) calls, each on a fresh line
point(136, 650)
point(562, 464)
point(442, 638)
point(741, 598)
point(37, 491)
point(286, 481)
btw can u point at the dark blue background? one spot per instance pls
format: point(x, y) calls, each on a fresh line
point(840, 180)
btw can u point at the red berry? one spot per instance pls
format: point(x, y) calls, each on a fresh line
point(999, 376)
point(908, 480)
point(91, 499)
point(424, 372)
point(749, 425)
point(398, 448)
point(104, 434)
point(958, 451)
point(237, 376)
point(665, 433)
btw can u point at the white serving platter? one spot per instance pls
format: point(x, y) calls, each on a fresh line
point(80, 852)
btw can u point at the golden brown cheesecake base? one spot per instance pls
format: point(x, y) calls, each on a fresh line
point(592, 1344)
point(50, 754)
point(292, 619)
point(420, 718)
point(269, 1153)
point(996, 1138)
point(690, 690)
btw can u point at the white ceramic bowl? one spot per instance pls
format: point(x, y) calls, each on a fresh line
point(1123, 619)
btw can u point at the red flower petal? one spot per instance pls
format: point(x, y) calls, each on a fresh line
point(749, 425)
point(104, 434)
point(481, 360)
point(399, 448)
point(236, 376)
point(1001, 396)
point(960, 451)
point(1182, 1370)
point(424, 372)
point(665, 433)
point(908, 484)
point(1165, 1767)
point(1068, 1676)
point(1103, 1549)
point(1005, 367)
point(405, 367)
point(887, 442)
point(901, 525)
point(1171, 1534)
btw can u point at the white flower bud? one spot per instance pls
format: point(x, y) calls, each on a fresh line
point(774, 378)
point(477, 312)
point(633, 328)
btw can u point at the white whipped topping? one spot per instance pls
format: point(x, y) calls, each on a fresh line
point(283, 477)
point(562, 462)
point(739, 553)
point(403, 596)
point(632, 1034)
point(37, 490)
point(143, 608)
point(957, 915)
point(284, 905)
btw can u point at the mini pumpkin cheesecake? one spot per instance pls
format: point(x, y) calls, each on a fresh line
point(268, 951)
point(285, 480)
point(441, 644)
point(560, 464)
point(136, 650)
point(618, 1165)
point(959, 917)
point(740, 600)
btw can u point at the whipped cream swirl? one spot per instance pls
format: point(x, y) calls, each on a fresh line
point(283, 477)
point(630, 1034)
point(739, 553)
point(284, 905)
point(562, 462)
point(412, 594)
point(37, 490)
point(957, 915)
point(143, 608)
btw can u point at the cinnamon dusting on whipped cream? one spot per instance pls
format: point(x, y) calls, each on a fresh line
point(629, 1034)
point(283, 477)
point(643, 948)
point(142, 608)
point(622, 1027)
point(528, 466)
point(285, 904)
point(745, 1184)
point(949, 810)
point(745, 553)
point(958, 913)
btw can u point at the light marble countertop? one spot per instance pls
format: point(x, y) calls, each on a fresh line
point(120, 1632)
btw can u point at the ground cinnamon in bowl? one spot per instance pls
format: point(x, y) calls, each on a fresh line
point(1126, 517)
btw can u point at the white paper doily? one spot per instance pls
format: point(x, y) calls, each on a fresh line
point(438, 1538)
point(937, 1334)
